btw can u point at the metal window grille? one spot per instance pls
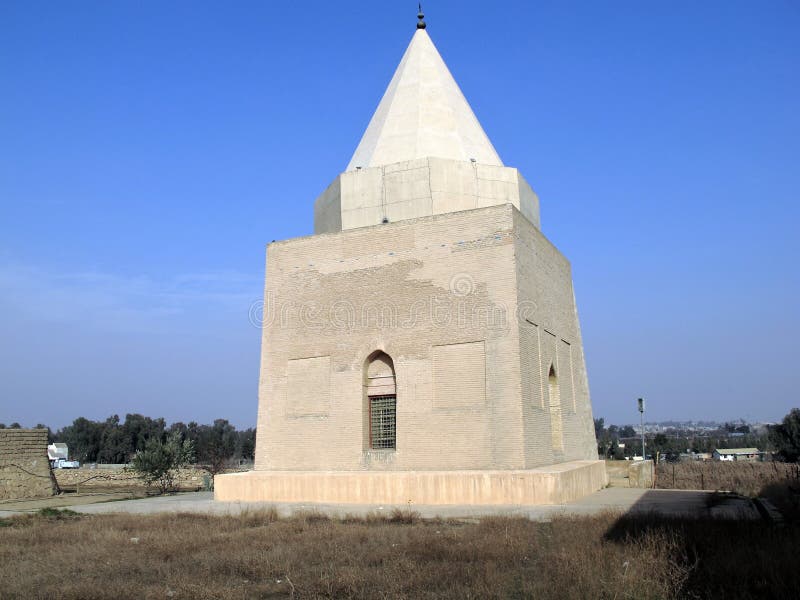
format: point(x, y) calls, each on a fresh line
point(382, 422)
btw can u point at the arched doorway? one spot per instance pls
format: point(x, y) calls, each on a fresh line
point(556, 427)
point(380, 403)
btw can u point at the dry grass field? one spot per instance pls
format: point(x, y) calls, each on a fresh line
point(779, 482)
point(745, 478)
point(60, 555)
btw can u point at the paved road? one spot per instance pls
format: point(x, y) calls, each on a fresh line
point(622, 500)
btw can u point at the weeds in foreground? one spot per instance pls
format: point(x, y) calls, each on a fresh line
point(396, 555)
point(57, 513)
point(47, 514)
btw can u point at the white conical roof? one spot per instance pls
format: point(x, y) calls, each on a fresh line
point(423, 113)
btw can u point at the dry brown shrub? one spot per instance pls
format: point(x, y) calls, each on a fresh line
point(404, 516)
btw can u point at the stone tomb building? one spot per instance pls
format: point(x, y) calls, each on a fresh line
point(423, 345)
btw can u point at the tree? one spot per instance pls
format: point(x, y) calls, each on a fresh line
point(159, 461)
point(140, 429)
point(660, 442)
point(665, 446)
point(599, 427)
point(216, 445)
point(606, 438)
point(627, 432)
point(180, 428)
point(247, 444)
point(786, 436)
point(115, 445)
point(83, 439)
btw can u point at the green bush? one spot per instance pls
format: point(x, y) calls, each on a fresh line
point(786, 436)
point(158, 463)
point(57, 513)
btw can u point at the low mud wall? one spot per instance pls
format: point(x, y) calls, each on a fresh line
point(24, 467)
point(122, 478)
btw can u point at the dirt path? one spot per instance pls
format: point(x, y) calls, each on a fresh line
point(65, 500)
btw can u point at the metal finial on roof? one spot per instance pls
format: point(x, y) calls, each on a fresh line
point(421, 17)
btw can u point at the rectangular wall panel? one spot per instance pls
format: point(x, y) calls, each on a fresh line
point(459, 376)
point(565, 379)
point(308, 386)
point(531, 365)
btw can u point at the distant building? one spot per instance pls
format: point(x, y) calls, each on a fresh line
point(58, 454)
point(57, 450)
point(695, 456)
point(737, 454)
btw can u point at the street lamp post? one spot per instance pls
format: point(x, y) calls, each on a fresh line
point(641, 424)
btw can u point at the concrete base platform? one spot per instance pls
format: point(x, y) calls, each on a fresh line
point(554, 484)
point(631, 501)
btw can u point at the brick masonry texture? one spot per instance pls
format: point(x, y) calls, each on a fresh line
point(443, 296)
point(550, 336)
point(24, 467)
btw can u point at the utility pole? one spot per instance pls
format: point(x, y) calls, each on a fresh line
point(641, 421)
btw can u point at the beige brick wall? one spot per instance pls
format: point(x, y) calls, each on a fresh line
point(24, 467)
point(439, 295)
point(404, 288)
point(459, 376)
point(548, 314)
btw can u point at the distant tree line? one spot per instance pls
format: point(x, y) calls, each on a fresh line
point(115, 441)
point(783, 439)
point(215, 446)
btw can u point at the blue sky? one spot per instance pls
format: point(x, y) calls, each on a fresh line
point(149, 151)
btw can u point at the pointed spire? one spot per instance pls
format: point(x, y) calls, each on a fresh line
point(421, 17)
point(423, 113)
